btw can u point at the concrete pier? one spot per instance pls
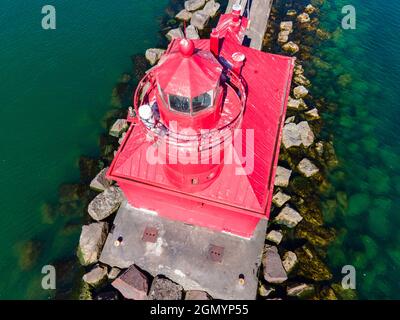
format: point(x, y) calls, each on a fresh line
point(258, 12)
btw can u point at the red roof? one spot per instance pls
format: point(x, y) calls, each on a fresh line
point(188, 76)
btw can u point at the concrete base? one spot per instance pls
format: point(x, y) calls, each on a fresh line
point(181, 253)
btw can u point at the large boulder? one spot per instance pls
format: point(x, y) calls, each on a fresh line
point(307, 168)
point(289, 261)
point(296, 104)
point(96, 276)
point(295, 135)
point(312, 114)
point(153, 55)
point(184, 15)
point(133, 284)
point(309, 9)
point(288, 217)
point(106, 203)
point(283, 36)
point(100, 182)
point(197, 295)
point(274, 236)
point(291, 47)
point(176, 33)
point(282, 176)
point(286, 26)
point(165, 289)
point(191, 32)
point(300, 92)
point(193, 5)
point(91, 242)
point(199, 19)
point(119, 126)
point(211, 8)
point(273, 268)
point(303, 18)
point(280, 198)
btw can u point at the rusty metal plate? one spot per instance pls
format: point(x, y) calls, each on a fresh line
point(150, 234)
point(215, 253)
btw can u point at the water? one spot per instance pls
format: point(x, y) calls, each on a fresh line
point(361, 74)
point(55, 89)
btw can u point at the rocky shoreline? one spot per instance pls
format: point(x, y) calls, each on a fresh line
point(296, 240)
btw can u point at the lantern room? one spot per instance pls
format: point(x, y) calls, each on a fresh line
point(188, 87)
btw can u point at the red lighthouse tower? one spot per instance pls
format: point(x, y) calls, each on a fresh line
point(203, 143)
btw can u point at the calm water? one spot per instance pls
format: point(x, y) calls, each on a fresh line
point(55, 88)
point(360, 71)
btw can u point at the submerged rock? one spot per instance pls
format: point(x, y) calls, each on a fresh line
point(288, 217)
point(318, 236)
point(265, 290)
point(91, 242)
point(274, 236)
point(311, 266)
point(302, 290)
point(100, 182)
point(184, 15)
point(286, 26)
point(280, 198)
point(307, 168)
point(192, 5)
point(344, 294)
point(132, 284)
point(95, 276)
point(191, 32)
point(273, 268)
point(199, 19)
point(197, 295)
point(303, 18)
point(28, 253)
point(289, 261)
point(300, 92)
point(153, 55)
point(309, 9)
point(176, 33)
point(282, 176)
point(106, 203)
point(291, 13)
point(165, 289)
point(312, 114)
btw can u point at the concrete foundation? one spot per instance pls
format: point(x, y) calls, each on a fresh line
point(224, 265)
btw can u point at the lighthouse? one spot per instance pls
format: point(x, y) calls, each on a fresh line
point(198, 162)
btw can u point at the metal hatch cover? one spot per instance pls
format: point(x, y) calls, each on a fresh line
point(181, 252)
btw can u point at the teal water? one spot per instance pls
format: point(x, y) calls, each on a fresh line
point(359, 71)
point(55, 88)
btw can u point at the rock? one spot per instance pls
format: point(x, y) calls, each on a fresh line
point(319, 147)
point(312, 114)
point(307, 168)
point(317, 235)
point(310, 9)
point(291, 47)
point(153, 55)
point(273, 268)
point(197, 295)
point(288, 217)
point(282, 176)
point(283, 37)
point(120, 140)
point(191, 32)
point(28, 253)
point(113, 273)
point(184, 15)
point(286, 26)
point(280, 198)
point(192, 5)
point(106, 203)
point(291, 13)
point(88, 168)
point(302, 290)
point(119, 126)
point(290, 119)
point(100, 182)
point(303, 18)
point(165, 289)
point(296, 104)
point(176, 33)
point(264, 290)
point(327, 293)
point(311, 266)
point(274, 236)
point(289, 261)
point(295, 135)
point(300, 92)
point(306, 135)
point(344, 294)
point(211, 8)
point(133, 284)
point(91, 242)
point(95, 276)
point(70, 192)
point(199, 19)
point(298, 69)
point(301, 80)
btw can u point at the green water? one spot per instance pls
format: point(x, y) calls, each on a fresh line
point(55, 88)
point(360, 73)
